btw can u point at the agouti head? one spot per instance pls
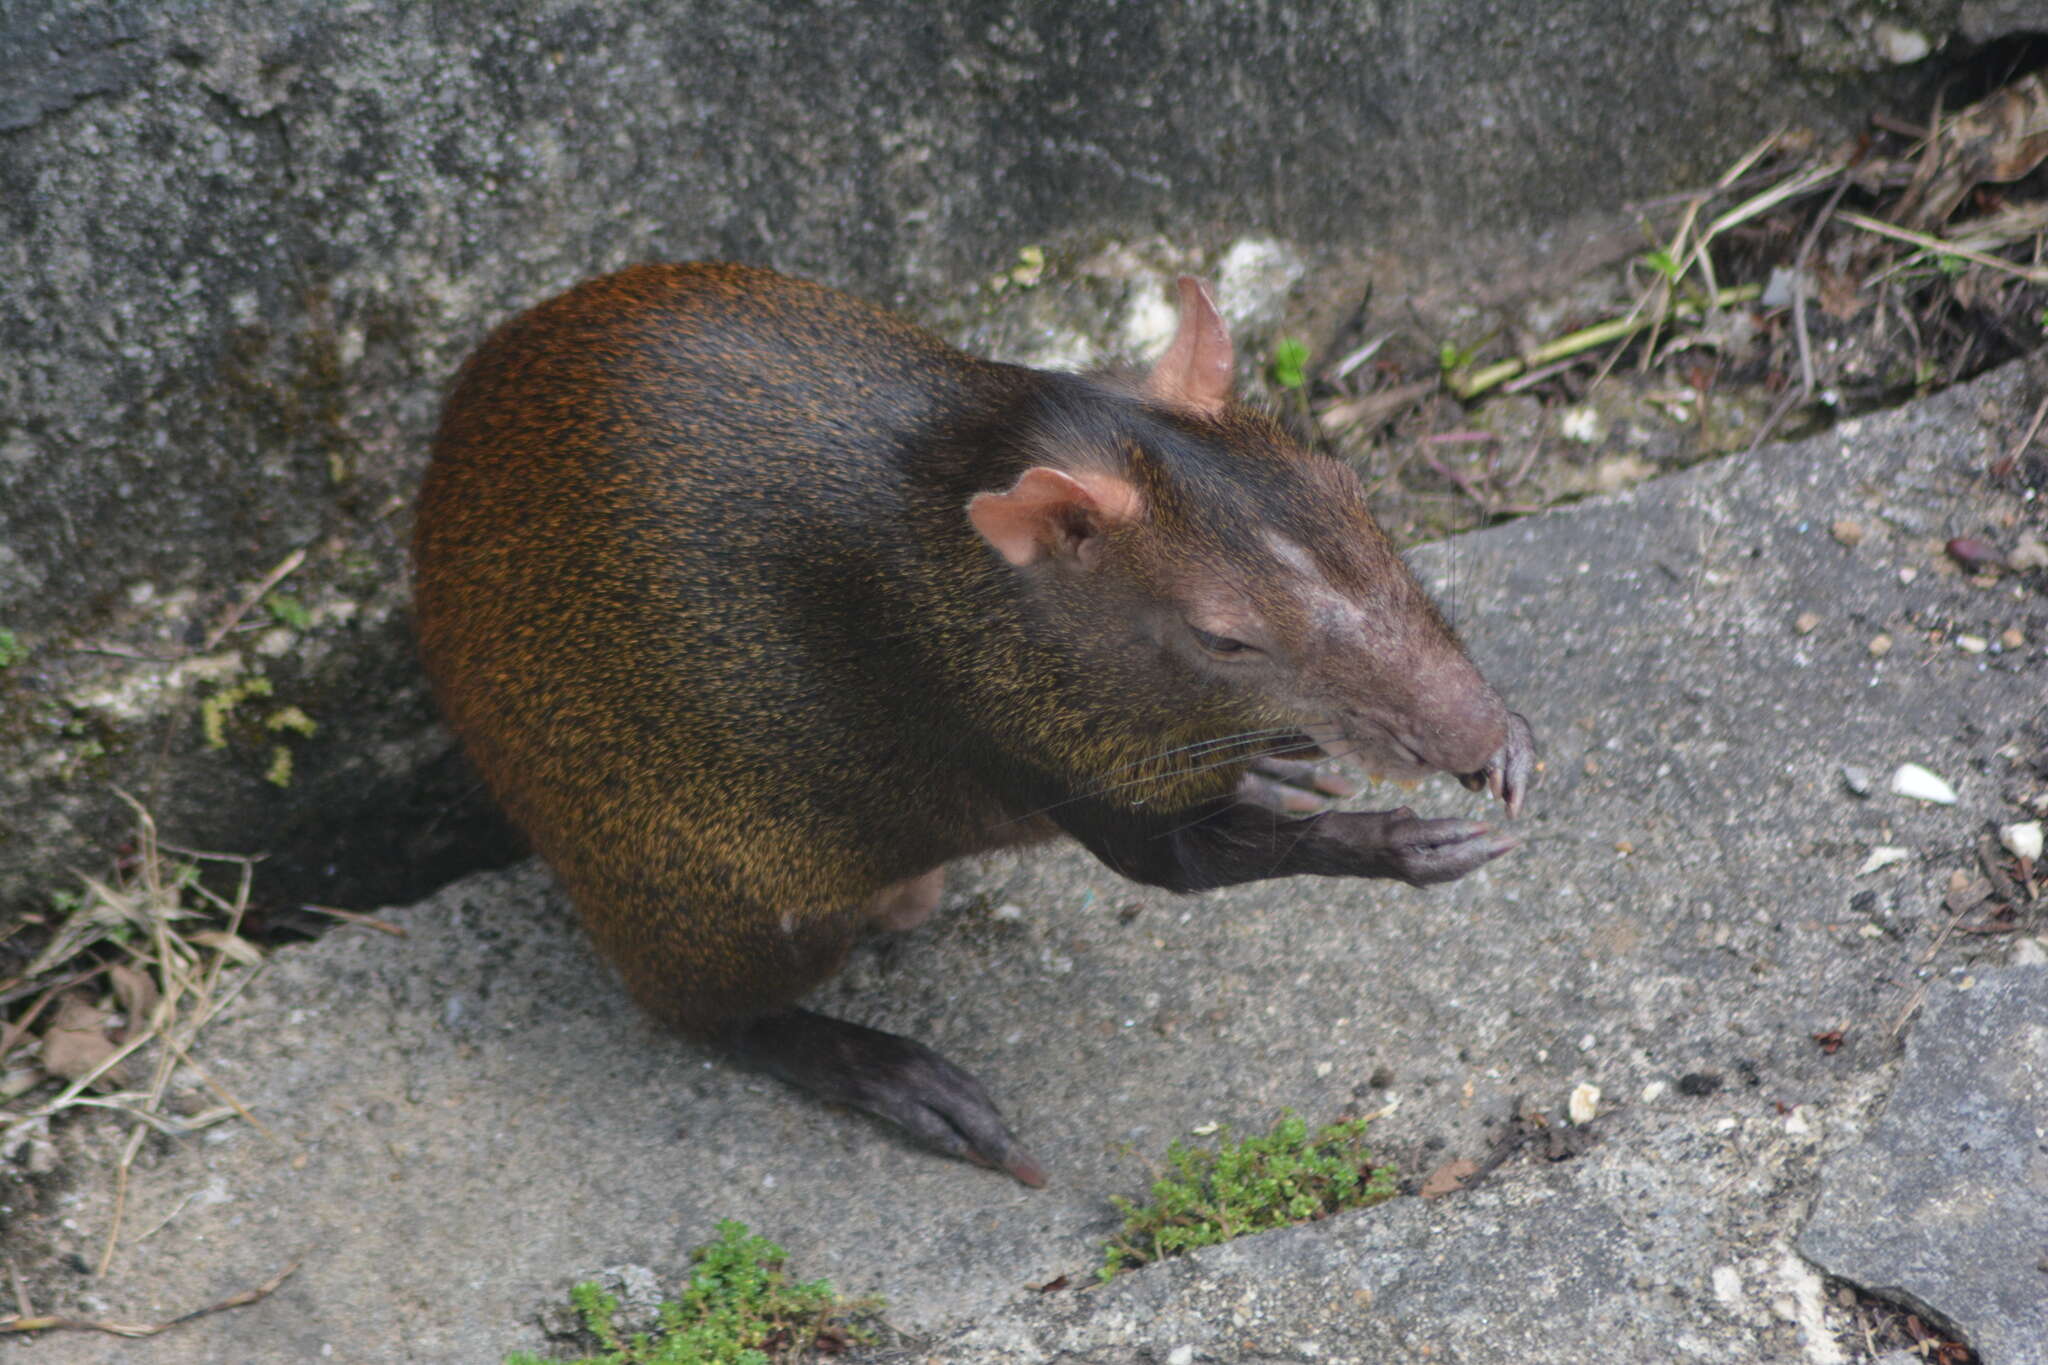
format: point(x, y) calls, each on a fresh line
point(1233, 581)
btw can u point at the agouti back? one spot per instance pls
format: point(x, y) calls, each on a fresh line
point(755, 605)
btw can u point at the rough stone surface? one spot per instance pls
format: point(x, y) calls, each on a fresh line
point(1944, 1205)
point(244, 243)
point(471, 1118)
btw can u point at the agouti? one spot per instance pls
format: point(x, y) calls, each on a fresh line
point(756, 605)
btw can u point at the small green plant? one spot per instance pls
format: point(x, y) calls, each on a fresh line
point(1290, 361)
point(739, 1308)
point(12, 650)
point(288, 610)
point(1450, 357)
point(1212, 1195)
point(1663, 262)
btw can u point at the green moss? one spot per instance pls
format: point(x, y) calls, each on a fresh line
point(12, 650)
point(293, 719)
point(214, 711)
point(288, 610)
point(1211, 1195)
point(739, 1308)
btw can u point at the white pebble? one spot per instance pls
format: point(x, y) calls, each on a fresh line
point(2022, 840)
point(1917, 782)
point(1901, 46)
point(1584, 1103)
point(1972, 644)
point(2030, 952)
point(1883, 856)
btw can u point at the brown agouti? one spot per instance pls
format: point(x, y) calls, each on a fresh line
point(755, 605)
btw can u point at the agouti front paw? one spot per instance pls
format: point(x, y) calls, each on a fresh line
point(1398, 843)
point(888, 1076)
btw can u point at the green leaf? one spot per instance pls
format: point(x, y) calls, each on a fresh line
point(1290, 359)
point(1663, 262)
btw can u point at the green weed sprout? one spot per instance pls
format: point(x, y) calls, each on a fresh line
point(1290, 361)
point(739, 1308)
point(1212, 1195)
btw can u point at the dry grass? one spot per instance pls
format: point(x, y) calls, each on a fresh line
point(1805, 284)
point(114, 1004)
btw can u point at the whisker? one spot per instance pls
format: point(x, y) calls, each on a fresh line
point(1208, 746)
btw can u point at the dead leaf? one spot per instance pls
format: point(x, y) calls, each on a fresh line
point(1840, 294)
point(1999, 138)
point(231, 946)
point(76, 1041)
point(1449, 1177)
point(1375, 410)
point(137, 994)
point(1968, 896)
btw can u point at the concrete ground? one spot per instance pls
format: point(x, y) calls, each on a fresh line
point(468, 1119)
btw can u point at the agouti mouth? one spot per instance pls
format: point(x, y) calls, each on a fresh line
point(1381, 756)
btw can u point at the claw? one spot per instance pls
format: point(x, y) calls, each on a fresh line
point(1510, 774)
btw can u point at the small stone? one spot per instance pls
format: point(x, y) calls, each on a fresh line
point(1880, 645)
point(1901, 46)
point(1654, 1091)
point(1849, 533)
point(1974, 555)
point(1584, 1104)
point(1806, 623)
point(1920, 784)
point(1860, 781)
point(1883, 856)
point(2028, 554)
point(2012, 637)
point(1581, 424)
point(1908, 574)
point(2022, 840)
point(1181, 1355)
point(1972, 644)
point(2030, 952)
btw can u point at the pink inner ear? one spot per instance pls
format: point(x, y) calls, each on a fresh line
point(1195, 372)
point(1049, 512)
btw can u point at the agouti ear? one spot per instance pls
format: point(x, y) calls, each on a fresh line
point(1050, 513)
point(1195, 372)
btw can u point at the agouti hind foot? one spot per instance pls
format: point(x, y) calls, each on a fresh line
point(888, 1076)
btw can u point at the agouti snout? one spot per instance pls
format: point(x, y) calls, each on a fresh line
point(756, 605)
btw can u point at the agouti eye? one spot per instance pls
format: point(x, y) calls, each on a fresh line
point(1220, 644)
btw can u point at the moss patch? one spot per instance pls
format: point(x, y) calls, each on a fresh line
point(1212, 1194)
point(739, 1308)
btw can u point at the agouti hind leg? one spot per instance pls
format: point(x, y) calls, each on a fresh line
point(736, 988)
point(888, 1076)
